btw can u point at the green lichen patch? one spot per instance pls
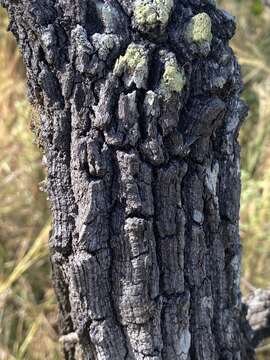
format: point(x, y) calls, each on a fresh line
point(133, 65)
point(173, 79)
point(134, 57)
point(199, 31)
point(148, 14)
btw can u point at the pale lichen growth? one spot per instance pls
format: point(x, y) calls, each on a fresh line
point(199, 31)
point(199, 28)
point(173, 79)
point(150, 14)
point(134, 65)
point(104, 44)
point(134, 57)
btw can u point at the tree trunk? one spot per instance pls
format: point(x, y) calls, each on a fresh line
point(140, 109)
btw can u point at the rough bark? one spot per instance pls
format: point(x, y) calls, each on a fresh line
point(140, 109)
point(258, 315)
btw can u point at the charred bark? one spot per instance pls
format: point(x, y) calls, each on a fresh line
point(140, 109)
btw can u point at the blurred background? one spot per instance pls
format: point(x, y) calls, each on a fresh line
point(28, 316)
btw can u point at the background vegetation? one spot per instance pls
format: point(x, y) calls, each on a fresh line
point(28, 314)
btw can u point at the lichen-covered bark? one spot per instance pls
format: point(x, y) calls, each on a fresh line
point(258, 314)
point(140, 108)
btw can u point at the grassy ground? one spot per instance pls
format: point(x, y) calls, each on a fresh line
point(252, 45)
point(27, 305)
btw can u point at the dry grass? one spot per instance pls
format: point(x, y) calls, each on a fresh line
point(27, 305)
point(252, 45)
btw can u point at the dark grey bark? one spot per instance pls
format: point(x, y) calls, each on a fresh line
point(140, 109)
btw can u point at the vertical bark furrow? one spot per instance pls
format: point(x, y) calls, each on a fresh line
point(135, 270)
point(139, 116)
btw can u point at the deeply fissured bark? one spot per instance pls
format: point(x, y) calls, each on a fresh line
point(140, 109)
